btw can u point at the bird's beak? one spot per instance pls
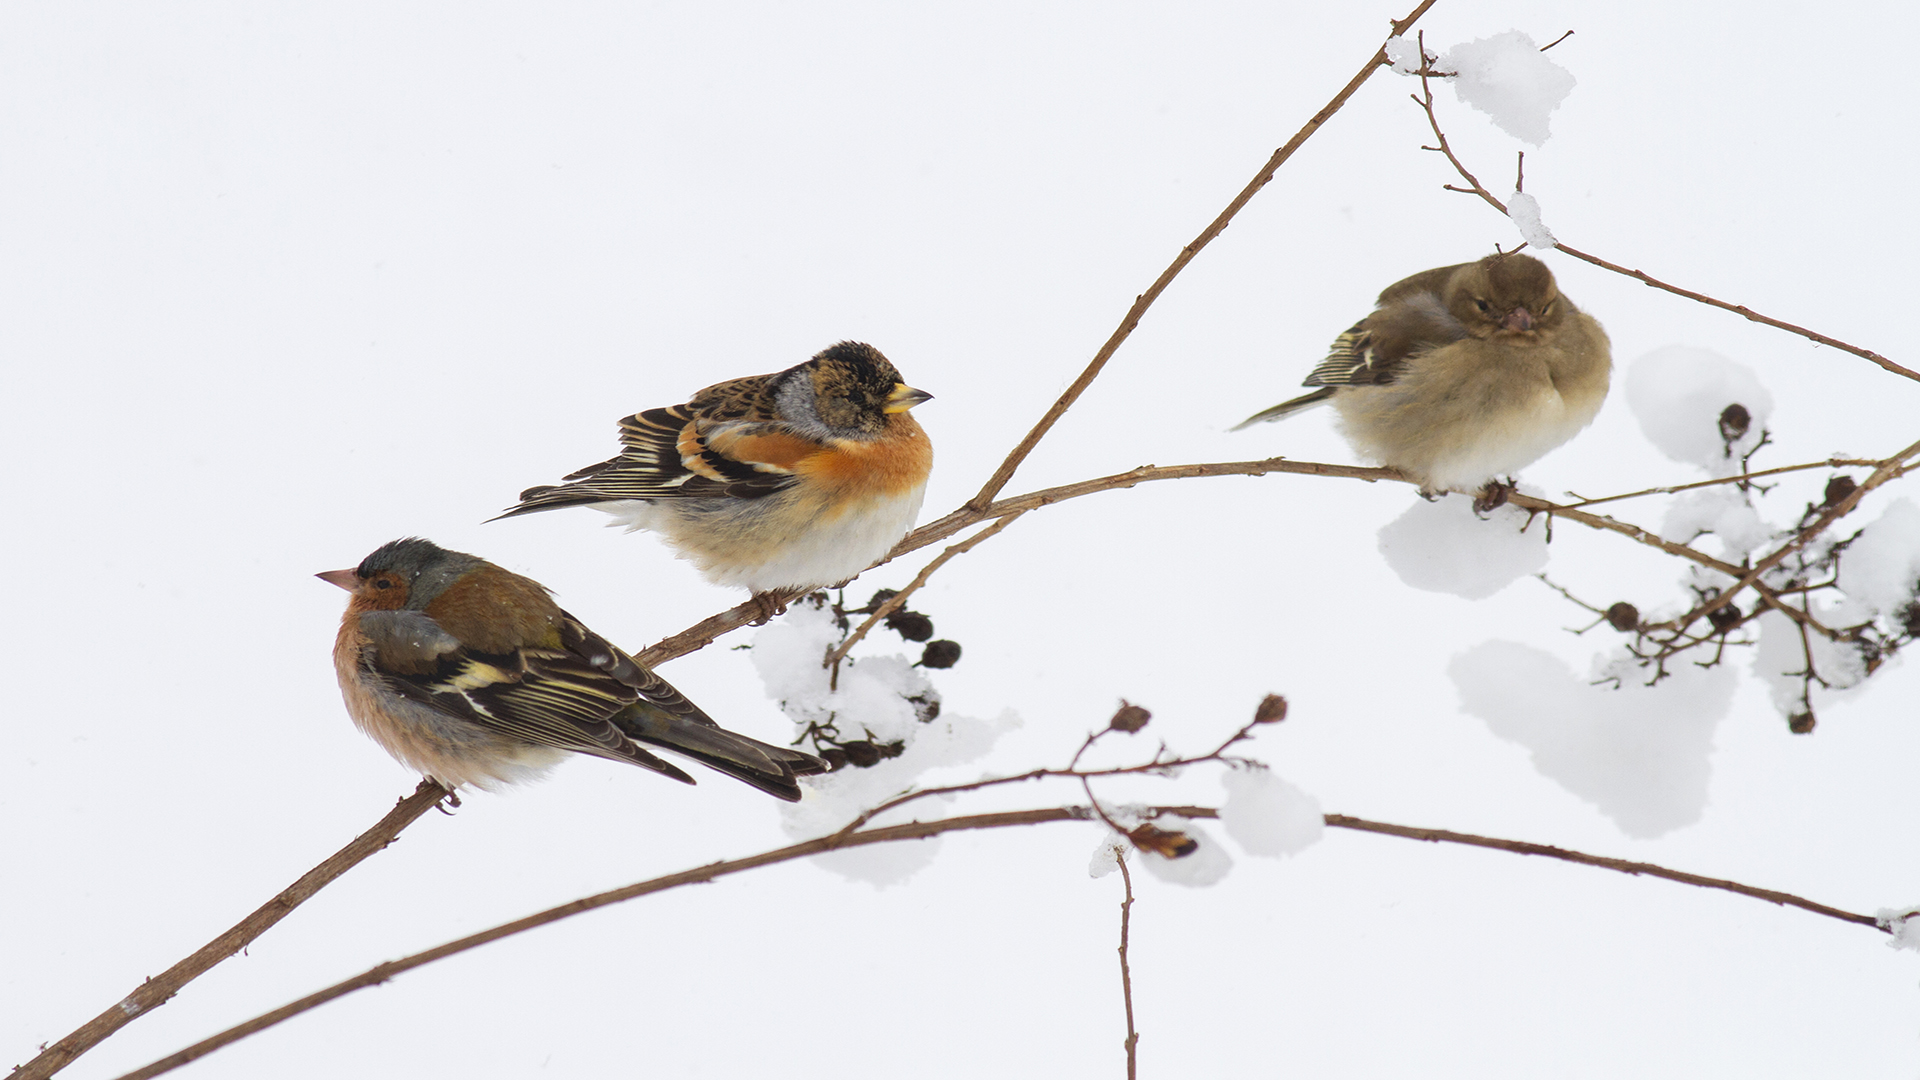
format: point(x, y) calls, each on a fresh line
point(1517, 319)
point(905, 397)
point(346, 579)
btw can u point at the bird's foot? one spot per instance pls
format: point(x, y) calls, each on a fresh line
point(768, 605)
point(1493, 495)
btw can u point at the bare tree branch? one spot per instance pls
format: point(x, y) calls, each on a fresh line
point(1145, 300)
point(1425, 101)
point(915, 831)
point(1126, 971)
point(1521, 847)
point(156, 990)
point(1741, 478)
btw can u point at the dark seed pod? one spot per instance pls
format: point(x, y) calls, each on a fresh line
point(1910, 619)
point(880, 597)
point(1800, 723)
point(1271, 710)
point(940, 654)
point(862, 754)
point(1734, 421)
point(1725, 618)
point(910, 625)
point(1839, 488)
point(835, 758)
point(926, 707)
point(1130, 718)
point(1623, 617)
point(1163, 842)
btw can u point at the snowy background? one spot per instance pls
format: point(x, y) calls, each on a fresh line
point(282, 283)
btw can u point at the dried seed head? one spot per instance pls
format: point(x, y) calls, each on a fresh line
point(1271, 710)
point(1623, 617)
point(1800, 723)
point(926, 707)
point(1163, 842)
point(1725, 618)
point(835, 758)
point(1130, 718)
point(880, 597)
point(861, 754)
point(1839, 488)
point(1910, 619)
point(910, 625)
point(940, 654)
point(1734, 421)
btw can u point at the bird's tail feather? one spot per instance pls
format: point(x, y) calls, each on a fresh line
point(770, 768)
point(1287, 408)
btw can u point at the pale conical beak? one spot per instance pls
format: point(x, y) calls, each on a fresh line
point(346, 579)
point(1518, 319)
point(905, 397)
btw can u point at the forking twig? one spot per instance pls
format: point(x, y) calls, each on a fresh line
point(1424, 99)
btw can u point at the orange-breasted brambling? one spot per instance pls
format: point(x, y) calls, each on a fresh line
point(1463, 373)
point(473, 675)
point(792, 480)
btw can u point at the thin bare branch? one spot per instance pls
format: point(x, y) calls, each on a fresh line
point(1145, 300)
point(1830, 463)
point(899, 599)
point(1744, 312)
point(1635, 532)
point(713, 871)
point(1890, 468)
point(704, 632)
point(1638, 275)
point(1126, 972)
point(920, 830)
point(156, 991)
point(1624, 866)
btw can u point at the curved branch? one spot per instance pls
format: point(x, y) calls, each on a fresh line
point(1145, 300)
point(1522, 847)
point(1638, 275)
point(919, 830)
point(703, 633)
point(156, 991)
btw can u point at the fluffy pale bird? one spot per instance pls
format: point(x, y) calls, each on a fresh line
point(797, 479)
point(1463, 374)
point(473, 675)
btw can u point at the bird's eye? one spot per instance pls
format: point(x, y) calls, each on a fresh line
point(1547, 309)
point(382, 583)
point(1482, 305)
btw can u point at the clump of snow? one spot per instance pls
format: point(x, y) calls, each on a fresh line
point(1403, 53)
point(1205, 866)
point(1640, 755)
point(1680, 393)
point(1723, 511)
point(1781, 661)
point(874, 700)
point(1507, 77)
point(1905, 929)
point(1524, 211)
point(1106, 858)
point(1881, 569)
point(1265, 815)
point(1443, 546)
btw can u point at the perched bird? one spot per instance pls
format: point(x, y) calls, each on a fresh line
point(473, 675)
point(1463, 374)
point(800, 478)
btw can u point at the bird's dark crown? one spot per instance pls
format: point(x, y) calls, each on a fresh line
point(427, 567)
point(844, 388)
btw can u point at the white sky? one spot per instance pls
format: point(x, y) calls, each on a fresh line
point(283, 282)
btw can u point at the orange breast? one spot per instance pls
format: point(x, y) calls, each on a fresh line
point(893, 464)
